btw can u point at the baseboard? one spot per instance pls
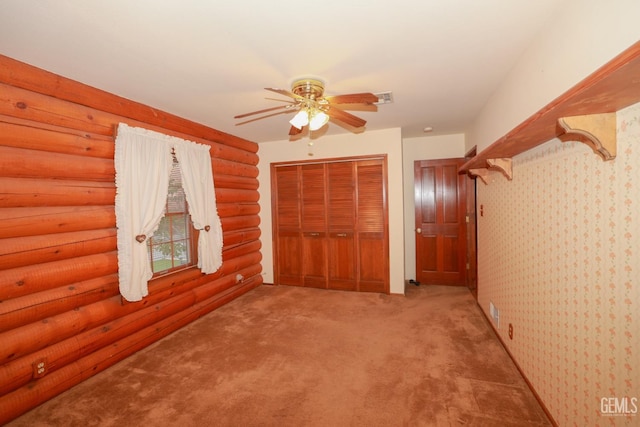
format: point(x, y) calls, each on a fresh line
point(526, 380)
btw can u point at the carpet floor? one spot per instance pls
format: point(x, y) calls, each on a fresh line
point(288, 356)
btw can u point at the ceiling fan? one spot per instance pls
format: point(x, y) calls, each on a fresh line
point(315, 110)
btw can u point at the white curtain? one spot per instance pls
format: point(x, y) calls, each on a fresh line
point(143, 163)
point(197, 182)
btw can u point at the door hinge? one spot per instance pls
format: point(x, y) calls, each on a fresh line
point(468, 266)
point(467, 219)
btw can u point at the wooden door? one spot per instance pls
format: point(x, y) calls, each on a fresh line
point(440, 210)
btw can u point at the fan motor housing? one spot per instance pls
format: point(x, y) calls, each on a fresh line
point(308, 88)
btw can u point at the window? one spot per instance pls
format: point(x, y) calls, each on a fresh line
point(174, 244)
point(144, 164)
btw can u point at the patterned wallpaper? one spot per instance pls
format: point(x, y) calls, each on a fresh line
point(559, 258)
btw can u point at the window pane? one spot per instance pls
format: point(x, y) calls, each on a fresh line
point(163, 233)
point(171, 246)
point(180, 226)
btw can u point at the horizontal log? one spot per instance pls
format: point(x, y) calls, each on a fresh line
point(22, 163)
point(24, 104)
point(222, 151)
point(33, 221)
point(31, 308)
point(31, 78)
point(226, 167)
point(19, 371)
point(20, 251)
point(238, 237)
point(17, 282)
point(170, 285)
point(39, 136)
point(240, 250)
point(240, 222)
point(35, 336)
point(27, 105)
point(237, 209)
point(29, 134)
point(227, 195)
point(31, 192)
point(23, 192)
point(16, 403)
point(34, 308)
point(235, 182)
point(16, 373)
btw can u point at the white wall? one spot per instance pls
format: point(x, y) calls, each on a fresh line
point(424, 148)
point(386, 141)
point(584, 35)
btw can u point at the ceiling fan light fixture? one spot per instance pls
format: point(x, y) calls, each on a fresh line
point(318, 119)
point(300, 120)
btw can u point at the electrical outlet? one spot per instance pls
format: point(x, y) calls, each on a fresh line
point(39, 367)
point(510, 331)
point(495, 314)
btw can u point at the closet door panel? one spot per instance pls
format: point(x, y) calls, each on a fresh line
point(373, 262)
point(314, 259)
point(287, 197)
point(373, 254)
point(289, 261)
point(314, 224)
point(286, 226)
point(342, 261)
point(341, 194)
point(314, 203)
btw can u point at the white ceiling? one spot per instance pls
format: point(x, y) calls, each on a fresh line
point(209, 60)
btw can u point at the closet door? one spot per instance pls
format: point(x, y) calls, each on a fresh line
point(341, 218)
point(373, 253)
point(314, 225)
point(286, 226)
point(330, 225)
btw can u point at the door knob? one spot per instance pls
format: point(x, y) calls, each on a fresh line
point(418, 230)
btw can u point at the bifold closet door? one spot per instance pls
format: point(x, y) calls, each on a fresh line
point(330, 224)
point(286, 231)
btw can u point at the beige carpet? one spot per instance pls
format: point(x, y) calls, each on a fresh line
point(286, 356)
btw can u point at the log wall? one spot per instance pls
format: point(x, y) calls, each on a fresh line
point(62, 319)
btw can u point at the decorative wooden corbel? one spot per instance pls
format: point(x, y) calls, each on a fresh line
point(503, 165)
point(483, 174)
point(596, 130)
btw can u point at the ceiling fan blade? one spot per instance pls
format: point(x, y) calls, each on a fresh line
point(294, 131)
point(357, 107)
point(353, 98)
point(347, 118)
point(279, 107)
point(261, 117)
point(282, 100)
point(285, 93)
